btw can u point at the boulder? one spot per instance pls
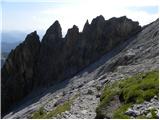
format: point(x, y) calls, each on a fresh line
point(132, 112)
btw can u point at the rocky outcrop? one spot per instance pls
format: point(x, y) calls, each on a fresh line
point(18, 71)
point(33, 64)
point(50, 50)
point(64, 57)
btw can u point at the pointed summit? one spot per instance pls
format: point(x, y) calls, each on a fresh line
point(98, 19)
point(86, 26)
point(56, 29)
point(72, 33)
point(53, 34)
point(32, 37)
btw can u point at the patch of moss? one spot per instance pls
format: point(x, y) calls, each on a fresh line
point(136, 89)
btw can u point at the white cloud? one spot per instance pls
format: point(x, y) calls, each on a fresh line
point(70, 12)
point(88, 9)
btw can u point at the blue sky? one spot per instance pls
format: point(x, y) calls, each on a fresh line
point(30, 15)
point(148, 9)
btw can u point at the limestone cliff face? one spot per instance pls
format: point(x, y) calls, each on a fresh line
point(33, 64)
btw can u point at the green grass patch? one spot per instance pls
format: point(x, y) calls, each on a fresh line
point(136, 89)
point(41, 114)
point(38, 114)
point(59, 109)
point(119, 113)
point(154, 115)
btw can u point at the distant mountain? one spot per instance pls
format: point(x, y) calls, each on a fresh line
point(7, 47)
point(4, 55)
point(10, 39)
point(13, 36)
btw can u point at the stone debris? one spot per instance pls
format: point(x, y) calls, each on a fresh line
point(144, 109)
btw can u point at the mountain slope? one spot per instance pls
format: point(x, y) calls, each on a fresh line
point(36, 64)
point(137, 54)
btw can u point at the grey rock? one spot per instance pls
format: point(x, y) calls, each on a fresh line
point(131, 112)
point(149, 115)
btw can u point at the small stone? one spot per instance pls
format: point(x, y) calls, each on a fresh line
point(78, 116)
point(157, 114)
point(133, 113)
point(146, 103)
point(149, 115)
point(150, 108)
point(104, 81)
point(155, 97)
point(98, 95)
point(152, 100)
point(66, 112)
point(72, 117)
point(84, 111)
point(58, 116)
point(132, 117)
point(139, 106)
point(90, 92)
point(98, 87)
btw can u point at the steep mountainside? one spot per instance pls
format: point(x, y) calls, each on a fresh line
point(33, 64)
point(120, 47)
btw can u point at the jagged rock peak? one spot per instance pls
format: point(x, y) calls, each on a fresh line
point(56, 29)
point(86, 26)
point(53, 34)
point(32, 37)
point(98, 19)
point(122, 19)
point(75, 27)
point(72, 31)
